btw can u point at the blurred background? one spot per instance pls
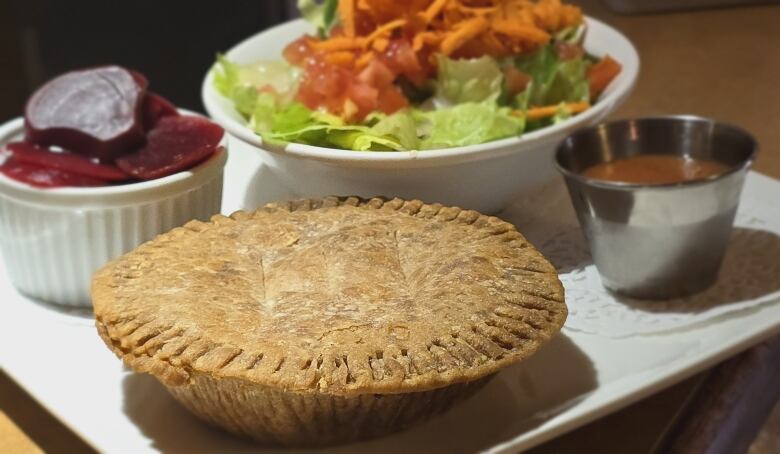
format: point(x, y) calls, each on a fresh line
point(173, 42)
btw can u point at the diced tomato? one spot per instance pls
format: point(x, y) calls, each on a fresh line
point(428, 63)
point(402, 54)
point(324, 85)
point(330, 83)
point(401, 59)
point(298, 51)
point(601, 74)
point(515, 80)
point(567, 51)
point(354, 93)
point(391, 100)
point(307, 97)
point(364, 97)
point(377, 74)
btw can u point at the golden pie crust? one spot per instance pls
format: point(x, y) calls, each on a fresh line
point(324, 320)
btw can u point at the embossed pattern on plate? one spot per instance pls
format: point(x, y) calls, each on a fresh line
point(749, 277)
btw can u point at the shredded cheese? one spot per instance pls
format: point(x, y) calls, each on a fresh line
point(538, 113)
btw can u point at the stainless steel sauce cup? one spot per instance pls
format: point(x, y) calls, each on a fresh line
point(657, 241)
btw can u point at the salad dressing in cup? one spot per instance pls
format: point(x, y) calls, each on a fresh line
point(656, 169)
point(657, 238)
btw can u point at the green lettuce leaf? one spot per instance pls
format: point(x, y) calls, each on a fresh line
point(520, 103)
point(562, 114)
point(227, 81)
point(574, 34)
point(541, 66)
point(321, 14)
point(464, 124)
point(261, 119)
point(554, 80)
point(225, 75)
point(281, 120)
point(242, 83)
point(467, 124)
point(570, 83)
point(297, 123)
point(401, 127)
point(463, 81)
point(382, 132)
point(362, 141)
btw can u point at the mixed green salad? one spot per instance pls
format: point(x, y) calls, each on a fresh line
point(433, 74)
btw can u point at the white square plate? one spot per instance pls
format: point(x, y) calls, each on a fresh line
point(59, 359)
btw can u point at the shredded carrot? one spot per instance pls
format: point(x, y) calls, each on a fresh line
point(380, 44)
point(337, 44)
point(409, 34)
point(341, 58)
point(458, 28)
point(538, 113)
point(476, 10)
point(493, 45)
point(385, 29)
point(465, 32)
point(347, 14)
point(521, 31)
point(434, 10)
point(365, 59)
point(425, 38)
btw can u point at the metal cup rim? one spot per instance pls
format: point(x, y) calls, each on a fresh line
point(617, 185)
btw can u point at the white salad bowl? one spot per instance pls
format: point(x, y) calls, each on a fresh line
point(53, 240)
point(483, 177)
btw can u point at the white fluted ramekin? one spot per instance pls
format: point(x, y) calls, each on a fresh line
point(53, 240)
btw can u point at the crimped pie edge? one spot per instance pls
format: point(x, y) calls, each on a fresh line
point(142, 343)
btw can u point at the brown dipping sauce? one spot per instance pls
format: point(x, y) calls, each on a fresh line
point(656, 169)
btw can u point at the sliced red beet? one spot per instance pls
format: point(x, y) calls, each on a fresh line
point(32, 154)
point(96, 112)
point(46, 177)
point(155, 108)
point(176, 144)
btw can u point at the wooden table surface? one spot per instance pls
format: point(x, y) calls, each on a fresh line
point(718, 63)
